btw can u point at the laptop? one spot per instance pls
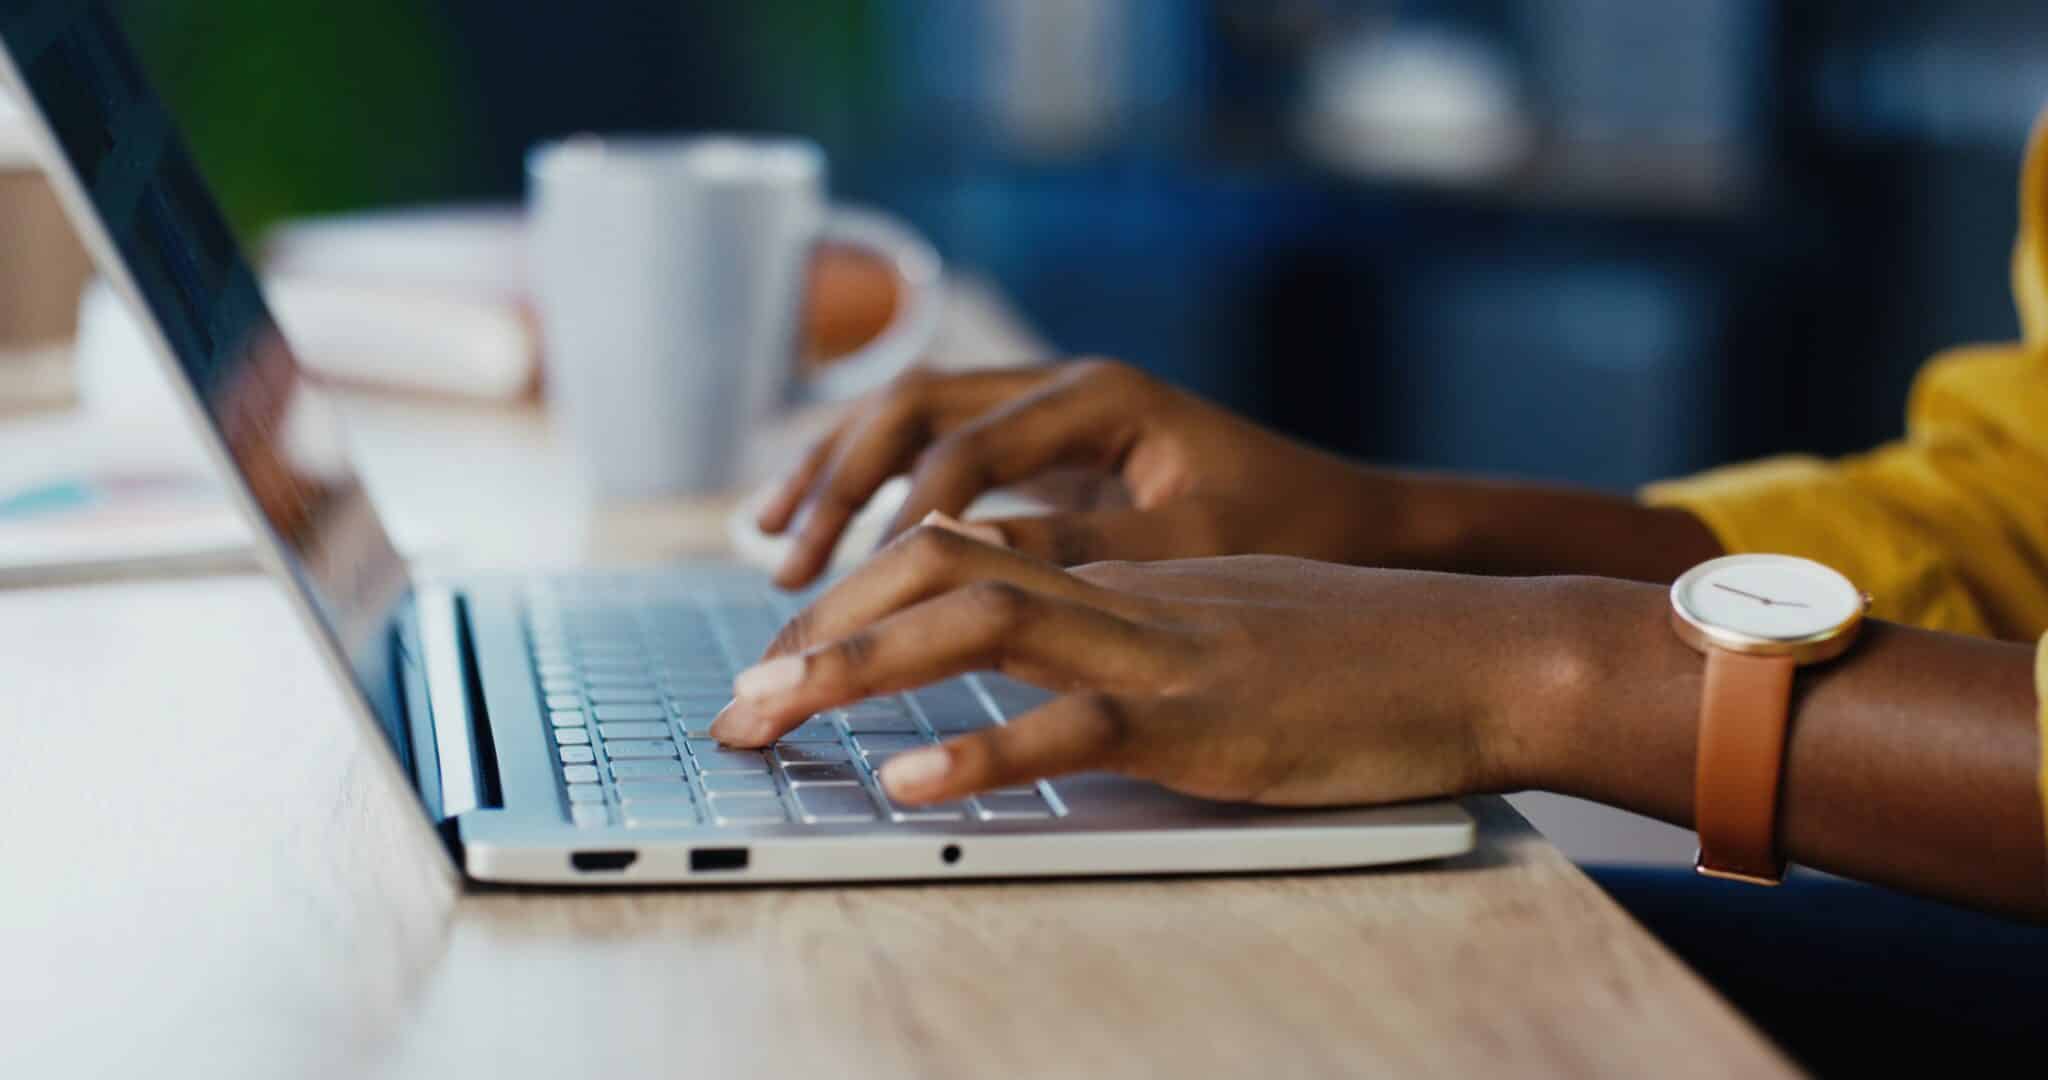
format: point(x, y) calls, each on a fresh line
point(554, 728)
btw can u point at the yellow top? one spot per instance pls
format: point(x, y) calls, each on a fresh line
point(1948, 527)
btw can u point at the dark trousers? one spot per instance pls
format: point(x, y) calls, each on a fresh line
point(1852, 979)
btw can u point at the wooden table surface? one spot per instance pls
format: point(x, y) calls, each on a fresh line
point(202, 875)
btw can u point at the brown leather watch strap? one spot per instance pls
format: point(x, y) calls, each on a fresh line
point(1743, 717)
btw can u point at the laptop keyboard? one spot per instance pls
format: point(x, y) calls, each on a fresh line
point(632, 674)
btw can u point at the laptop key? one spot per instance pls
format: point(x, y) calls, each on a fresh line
point(879, 723)
point(586, 793)
point(629, 712)
point(816, 729)
point(572, 736)
point(580, 774)
point(741, 761)
point(647, 769)
point(634, 730)
point(624, 695)
point(805, 753)
point(888, 744)
point(617, 680)
point(640, 748)
point(576, 755)
point(687, 669)
point(643, 791)
point(952, 811)
point(564, 701)
point(657, 815)
point(610, 672)
point(1012, 807)
point(739, 809)
point(566, 718)
point(823, 773)
point(759, 783)
point(844, 802)
point(589, 815)
point(600, 668)
point(598, 650)
point(951, 708)
point(707, 676)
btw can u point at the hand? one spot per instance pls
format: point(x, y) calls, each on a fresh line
point(1190, 479)
point(1257, 679)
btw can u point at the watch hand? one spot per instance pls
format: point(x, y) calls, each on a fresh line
point(1764, 600)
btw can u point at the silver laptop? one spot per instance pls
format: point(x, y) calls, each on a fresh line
point(555, 729)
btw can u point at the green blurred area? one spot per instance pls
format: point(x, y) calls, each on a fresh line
point(293, 109)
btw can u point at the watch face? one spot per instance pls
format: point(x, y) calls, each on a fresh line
point(1767, 599)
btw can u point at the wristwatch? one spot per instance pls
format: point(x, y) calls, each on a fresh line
point(1757, 618)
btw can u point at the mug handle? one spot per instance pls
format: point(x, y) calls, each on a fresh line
point(920, 274)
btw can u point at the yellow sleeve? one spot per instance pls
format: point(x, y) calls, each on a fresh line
point(1947, 528)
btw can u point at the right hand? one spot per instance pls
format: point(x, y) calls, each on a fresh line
point(1278, 681)
point(1192, 480)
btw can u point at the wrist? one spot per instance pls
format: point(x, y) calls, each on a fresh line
point(1600, 686)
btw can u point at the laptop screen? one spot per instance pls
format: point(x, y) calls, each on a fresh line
point(174, 244)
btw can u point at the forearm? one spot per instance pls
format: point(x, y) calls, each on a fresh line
point(1480, 526)
point(1911, 761)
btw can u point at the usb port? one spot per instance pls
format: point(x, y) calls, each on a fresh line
point(602, 862)
point(710, 859)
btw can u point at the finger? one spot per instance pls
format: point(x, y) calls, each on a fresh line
point(880, 444)
point(989, 626)
point(776, 513)
point(923, 563)
point(1075, 420)
point(982, 531)
point(1076, 733)
point(1184, 529)
point(877, 447)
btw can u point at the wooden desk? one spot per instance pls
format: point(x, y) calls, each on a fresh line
point(202, 874)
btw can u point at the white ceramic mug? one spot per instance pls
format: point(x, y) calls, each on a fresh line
point(670, 275)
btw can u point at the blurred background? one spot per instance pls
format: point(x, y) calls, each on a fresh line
point(1601, 241)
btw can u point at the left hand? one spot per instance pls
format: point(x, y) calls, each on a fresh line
point(1255, 679)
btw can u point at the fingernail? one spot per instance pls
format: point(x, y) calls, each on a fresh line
point(908, 773)
point(722, 725)
point(987, 534)
point(769, 678)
